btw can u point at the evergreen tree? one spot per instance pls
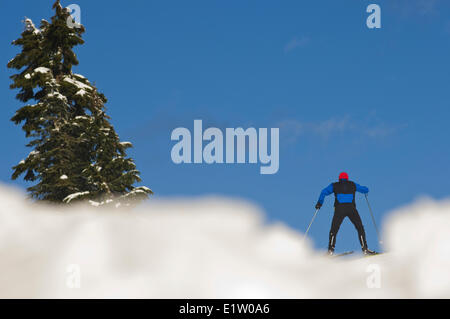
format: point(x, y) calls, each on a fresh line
point(76, 154)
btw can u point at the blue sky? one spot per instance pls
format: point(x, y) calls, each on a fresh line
point(371, 102)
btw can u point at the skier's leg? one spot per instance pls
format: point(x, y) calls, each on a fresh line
point(335, 225)
point(356, 220)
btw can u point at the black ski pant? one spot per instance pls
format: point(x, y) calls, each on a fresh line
point(340, 212)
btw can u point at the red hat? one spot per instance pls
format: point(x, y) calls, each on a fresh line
point(343, 175)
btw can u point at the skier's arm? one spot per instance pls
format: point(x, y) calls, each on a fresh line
point(362, 189)
point(325, 192)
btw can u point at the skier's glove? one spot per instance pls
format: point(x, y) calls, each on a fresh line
point(318, 205)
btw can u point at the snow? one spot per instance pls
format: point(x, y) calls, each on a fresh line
point(63, 177)
point(57, 95)
point(81, 92)
point(126, 144)
point(52, 82)
point(29, 26)
point(78, 84)
point(73, 196)
point(29, 23)
point(81, 117)
point(42, 69)
point(27, 76)
point(98, 204)
point(210, 248)
point(93, 203)
point(145, 188)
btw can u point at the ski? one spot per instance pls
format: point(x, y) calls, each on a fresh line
point(376, 253)
point(343, 254)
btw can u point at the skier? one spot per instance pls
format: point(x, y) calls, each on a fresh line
point(344, 206)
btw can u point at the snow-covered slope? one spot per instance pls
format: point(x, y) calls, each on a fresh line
point(208, 248)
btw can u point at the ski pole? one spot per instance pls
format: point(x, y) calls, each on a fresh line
point(312, 220)
point(373, 219)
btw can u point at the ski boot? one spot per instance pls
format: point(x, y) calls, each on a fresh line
point(368, 252)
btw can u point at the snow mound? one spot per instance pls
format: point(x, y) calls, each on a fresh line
point(208, 248)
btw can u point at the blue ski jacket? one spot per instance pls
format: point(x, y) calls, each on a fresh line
point(344, 192)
